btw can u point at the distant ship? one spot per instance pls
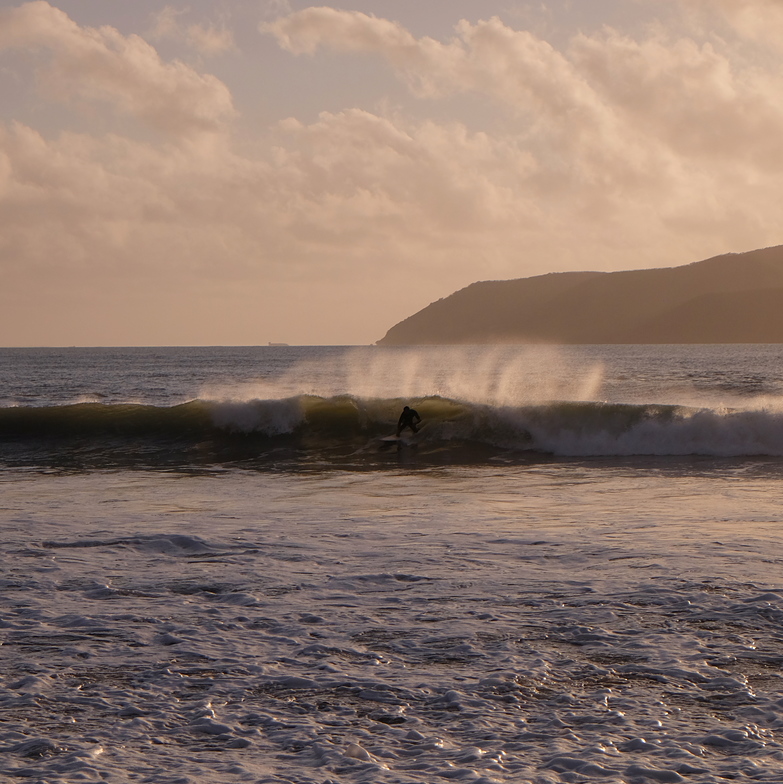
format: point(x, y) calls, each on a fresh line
point(277, 344)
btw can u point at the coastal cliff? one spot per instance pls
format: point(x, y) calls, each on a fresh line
point(734, 298)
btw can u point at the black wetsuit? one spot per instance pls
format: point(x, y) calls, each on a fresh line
point(408, 418)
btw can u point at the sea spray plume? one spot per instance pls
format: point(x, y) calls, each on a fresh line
point(501, 375)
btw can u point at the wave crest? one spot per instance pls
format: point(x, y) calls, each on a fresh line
point(344, 427)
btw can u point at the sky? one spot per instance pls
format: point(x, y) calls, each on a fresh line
point(238, 172)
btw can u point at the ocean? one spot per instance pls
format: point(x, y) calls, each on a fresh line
point(214, 569)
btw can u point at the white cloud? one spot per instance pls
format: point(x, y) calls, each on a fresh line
point(207, 39)
point(305, 31)
point(659, 120)
point(756, 20)
point(603, 92)
point(100, 64)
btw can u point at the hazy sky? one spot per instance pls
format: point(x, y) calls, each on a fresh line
point(245, 171)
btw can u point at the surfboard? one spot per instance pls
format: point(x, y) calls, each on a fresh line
point(406, 439)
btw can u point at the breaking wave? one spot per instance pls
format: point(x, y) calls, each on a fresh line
point(307, 428)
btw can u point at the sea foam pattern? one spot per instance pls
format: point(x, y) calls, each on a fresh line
point(382, 636)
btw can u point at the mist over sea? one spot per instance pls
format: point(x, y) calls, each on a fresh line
point(214, 569)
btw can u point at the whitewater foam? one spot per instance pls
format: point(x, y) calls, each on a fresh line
point(477, 625)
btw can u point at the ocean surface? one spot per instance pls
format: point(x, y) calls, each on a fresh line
point(213, 569)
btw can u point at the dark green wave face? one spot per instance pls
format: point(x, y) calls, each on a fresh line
point(298, 431)
point(354, 433)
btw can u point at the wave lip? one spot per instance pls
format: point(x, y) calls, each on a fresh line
point(348, 429)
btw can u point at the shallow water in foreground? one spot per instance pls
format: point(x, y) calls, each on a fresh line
point(567, 621)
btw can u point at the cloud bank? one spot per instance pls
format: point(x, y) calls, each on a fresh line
point(615, 151)
point(123, 71)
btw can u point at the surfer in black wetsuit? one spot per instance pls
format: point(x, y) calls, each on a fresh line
point(408, 418)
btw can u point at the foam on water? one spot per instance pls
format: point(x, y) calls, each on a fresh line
point(475, 626)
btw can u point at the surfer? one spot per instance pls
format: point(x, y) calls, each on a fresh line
point(408, 418)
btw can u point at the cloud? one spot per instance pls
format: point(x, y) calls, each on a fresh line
point(207, 39)
point(329, 194)
point(690, 99)
point(125, 72)
point(304, 31)
point(602, 92)
point(488, 56)
point(611, 152)
point(609, 116)
point(756, 20)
